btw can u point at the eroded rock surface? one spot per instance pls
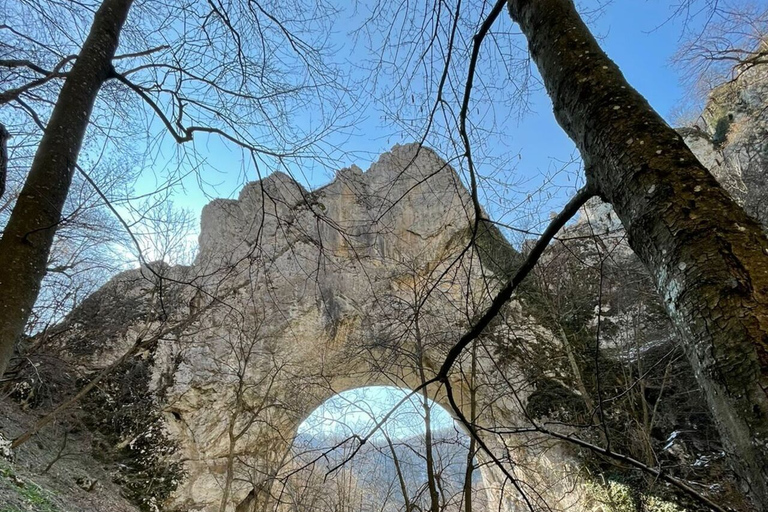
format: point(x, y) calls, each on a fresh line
point(297, 295)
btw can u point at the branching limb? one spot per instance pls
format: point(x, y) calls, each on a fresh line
point(506, 292)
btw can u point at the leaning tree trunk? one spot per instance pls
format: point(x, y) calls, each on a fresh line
point(27, 238)
point(707, 257)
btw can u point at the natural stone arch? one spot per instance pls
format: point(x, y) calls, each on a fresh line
point(296, 296)
point(270, 444)
point(333, 431)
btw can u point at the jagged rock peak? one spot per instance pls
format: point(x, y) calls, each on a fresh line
point(408, 192)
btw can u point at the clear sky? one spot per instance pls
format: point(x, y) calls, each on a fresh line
point(637, 34)
point(640, 35)
point(358, 410)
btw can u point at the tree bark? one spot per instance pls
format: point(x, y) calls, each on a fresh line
point(4, 136)
point(470, 467)
point(434, 498)
point(27, 238)
point(706, 255)
point(429, 456)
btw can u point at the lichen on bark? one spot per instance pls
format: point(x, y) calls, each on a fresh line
point(707, 256)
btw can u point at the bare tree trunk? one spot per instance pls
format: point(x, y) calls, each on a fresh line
point(428, 447)
point(26, 241)
point(4, 136)
point(400, 477)
point(434, 497)
point(230, 474)
point(707, 257)
point(468, 473)
point(577, 376)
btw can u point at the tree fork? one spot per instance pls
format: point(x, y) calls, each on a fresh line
point(27, 238)
point(707, 257)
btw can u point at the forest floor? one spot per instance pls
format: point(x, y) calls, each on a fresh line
point(56, 470)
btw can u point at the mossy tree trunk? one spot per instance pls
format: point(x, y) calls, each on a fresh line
point(27, 238)
point(708, 258)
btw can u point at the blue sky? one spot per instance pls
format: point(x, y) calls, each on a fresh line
point(641, 39)
point(635, 34)
point(358, 410)
point(639, 35)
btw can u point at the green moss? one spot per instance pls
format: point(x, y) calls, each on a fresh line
point(495, 252)
point(720, 135)
point(6, 472)
point(38, 498)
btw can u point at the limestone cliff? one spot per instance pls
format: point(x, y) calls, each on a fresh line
point(296, 295)
point(731, 138)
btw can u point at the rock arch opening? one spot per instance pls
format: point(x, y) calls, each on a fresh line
point(287, 312)
point(381, 448)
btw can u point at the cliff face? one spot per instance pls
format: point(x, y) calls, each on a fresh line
point(731, 138)
point(294, 297)
point(297, 295)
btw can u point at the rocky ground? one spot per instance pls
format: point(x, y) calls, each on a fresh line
point(55, 471)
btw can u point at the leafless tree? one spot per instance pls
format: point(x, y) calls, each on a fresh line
point(678, 219)
point(233, 71)
point(703, 252)
point(731, 42)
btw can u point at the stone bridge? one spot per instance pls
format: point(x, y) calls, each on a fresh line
point(296, 296)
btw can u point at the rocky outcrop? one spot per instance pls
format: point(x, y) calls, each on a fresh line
point(731, 138)
point(296, 295)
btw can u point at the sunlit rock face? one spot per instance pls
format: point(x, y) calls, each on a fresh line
point(731, 138)
point(319, 292)
point(298, 295)
point(407, 205)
